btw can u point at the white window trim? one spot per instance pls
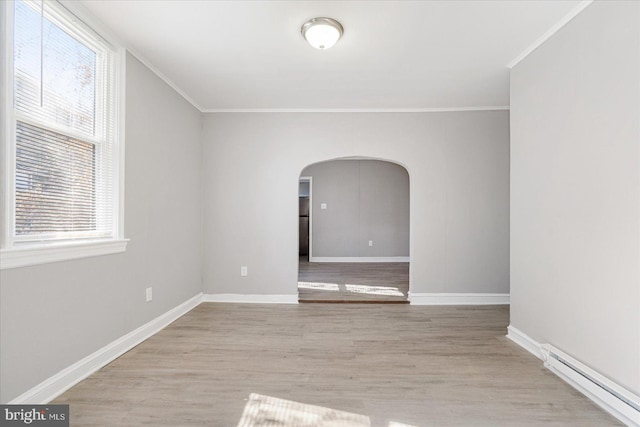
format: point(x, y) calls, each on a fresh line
point(25, 256)
point(29, 254)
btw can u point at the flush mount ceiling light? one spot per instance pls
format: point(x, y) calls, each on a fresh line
point(322, 33)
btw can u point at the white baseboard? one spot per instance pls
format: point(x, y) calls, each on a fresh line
point(524, 341)
point(607, 394)
point(252, 299)
point(54, 386)
point(458, 299)
point(359, 259)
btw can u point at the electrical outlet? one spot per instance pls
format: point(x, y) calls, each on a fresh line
point(149, 294)
point(244, 271)
point(323, 206)
point(370, 242)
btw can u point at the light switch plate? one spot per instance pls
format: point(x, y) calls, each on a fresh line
point(244, 271)
point(323, 206)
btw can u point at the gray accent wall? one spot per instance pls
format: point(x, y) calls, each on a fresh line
point(458, 164)
point(575, 191)
point(366, 200)
point(53, 315)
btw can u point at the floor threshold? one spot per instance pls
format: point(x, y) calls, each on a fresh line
point(313, 301)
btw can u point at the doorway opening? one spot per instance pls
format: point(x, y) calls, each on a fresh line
point(353, 217)
point(304, 217)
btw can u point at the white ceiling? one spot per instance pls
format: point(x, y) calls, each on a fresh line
point(393, 55)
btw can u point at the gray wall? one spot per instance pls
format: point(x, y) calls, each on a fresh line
point(53, 315)
point(366, 200)
point(575, 186)
point(458, 165)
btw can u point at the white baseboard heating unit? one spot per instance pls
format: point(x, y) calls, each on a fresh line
point(611, 397)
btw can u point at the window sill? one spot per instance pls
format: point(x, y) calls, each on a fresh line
point(55, 252)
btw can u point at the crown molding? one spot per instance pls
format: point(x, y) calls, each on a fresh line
point(85, 16)
point(190, 100)
point(550, 32)
point(89, 19)
point(164, 78)
point(354, 110)
point(96, 24)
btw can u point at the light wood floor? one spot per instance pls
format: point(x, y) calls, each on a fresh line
point(416, 365)
point(353, 282)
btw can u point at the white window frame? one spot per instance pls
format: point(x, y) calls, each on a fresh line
point(15, 253)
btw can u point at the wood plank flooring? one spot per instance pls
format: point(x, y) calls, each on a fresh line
point(391, 363)
point(353, 282)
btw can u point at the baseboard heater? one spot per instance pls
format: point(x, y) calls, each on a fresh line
point(611, 397)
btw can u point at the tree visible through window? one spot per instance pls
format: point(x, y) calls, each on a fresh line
point(55, 182)
point(63, 130)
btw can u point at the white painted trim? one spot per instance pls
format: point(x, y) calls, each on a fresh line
point(119, 146)
point(90, 20)
point(88, 17)
point(23, 256)
point(7, 125)
point(52, 387)
point(354, 110)
point(457, 299)
point(15, 254)
point(524, 341)
point(95, 25)
point(621, 407)
point(252, 299)
point(607, 394)
point(164, 78)
point(359, 259)
point(550, 32)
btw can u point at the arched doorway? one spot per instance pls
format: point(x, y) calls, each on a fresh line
point(354, 232)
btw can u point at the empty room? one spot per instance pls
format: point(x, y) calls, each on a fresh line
point(320, 213)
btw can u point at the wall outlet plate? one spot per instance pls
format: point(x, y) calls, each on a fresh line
point(149, 294)
point(244, 271)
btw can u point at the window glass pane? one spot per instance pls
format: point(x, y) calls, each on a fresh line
point(27, 57)
point(55, 182)
point(65, 166)
point(55, 72)
point(68, 76)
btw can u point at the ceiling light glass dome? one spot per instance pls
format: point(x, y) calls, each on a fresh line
point(322, 33)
